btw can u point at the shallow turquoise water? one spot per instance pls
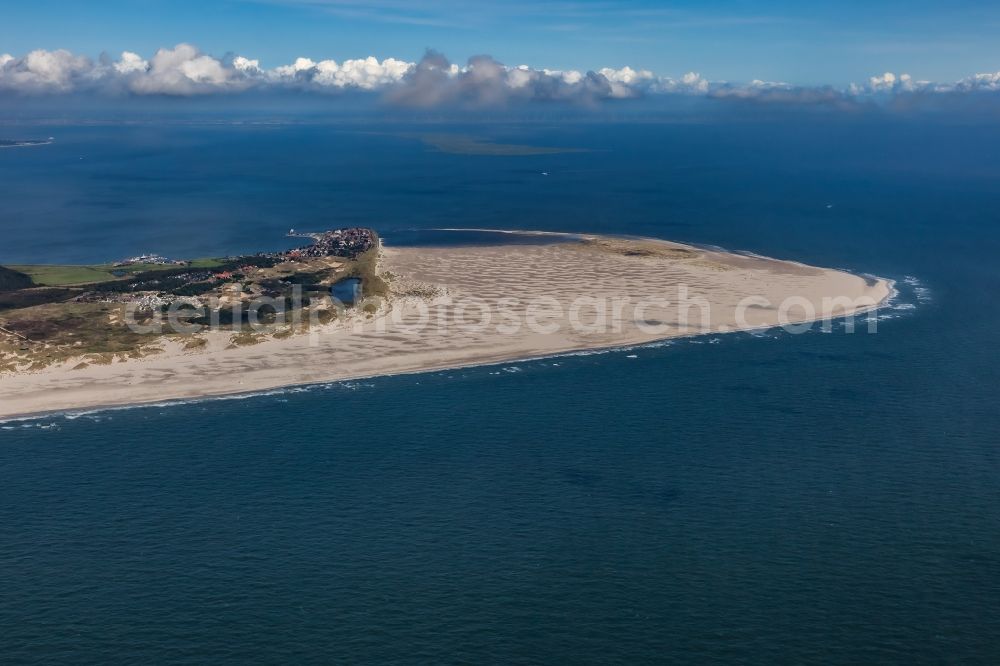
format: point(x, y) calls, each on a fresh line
point(817, 498)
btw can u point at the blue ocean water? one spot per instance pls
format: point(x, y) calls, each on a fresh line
point(817, 498)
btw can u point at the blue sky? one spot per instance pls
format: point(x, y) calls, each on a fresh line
point(797, 42)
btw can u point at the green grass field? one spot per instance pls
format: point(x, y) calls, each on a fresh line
point(64, 276)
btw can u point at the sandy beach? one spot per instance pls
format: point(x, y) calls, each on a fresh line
point(459, 306)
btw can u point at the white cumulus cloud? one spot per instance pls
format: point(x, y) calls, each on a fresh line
point(246, 66)
point(986, 82)
point(131, 62)
point(364, 74)
point(182, 70)
point(627, 82)
point(889, 82)
point(41, 71)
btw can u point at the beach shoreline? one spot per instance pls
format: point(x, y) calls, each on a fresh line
point(275, 390)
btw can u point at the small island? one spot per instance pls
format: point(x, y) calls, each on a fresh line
point(24, 143)
point(346, 306)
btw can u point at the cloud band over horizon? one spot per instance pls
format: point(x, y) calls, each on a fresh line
point(432, 82)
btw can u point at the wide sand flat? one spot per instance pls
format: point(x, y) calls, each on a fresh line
point(437, 318)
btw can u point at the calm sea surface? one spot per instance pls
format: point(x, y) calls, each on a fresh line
point(773, 498)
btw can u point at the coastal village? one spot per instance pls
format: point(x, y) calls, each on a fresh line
point(338, 243)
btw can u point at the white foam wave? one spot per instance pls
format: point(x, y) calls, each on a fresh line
point(920, 290)
point(38, 425)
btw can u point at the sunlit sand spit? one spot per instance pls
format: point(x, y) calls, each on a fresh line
point(451, 307)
